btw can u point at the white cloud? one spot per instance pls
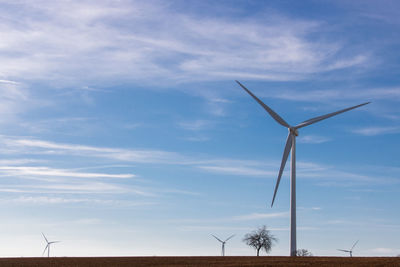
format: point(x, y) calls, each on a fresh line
point(130, 40)
point(326, 95)
point(9, 82)
point(372, 131)
point(323, 175)
point(210, 228)
point(197, 138)
point(237, 170)
point(346, 63)
point(68, 200)
point(84, 188)
point(45, 147)
point(309, 208)
point(257, 216)
point(326, 175)
point(196, 125)
point(5, 162)
point(13, 100)
point(77, 188)
point(57, 125)
point(384, 251)
point(313, 139)
point(46, 200)
point(69, 188)
point(47, 171)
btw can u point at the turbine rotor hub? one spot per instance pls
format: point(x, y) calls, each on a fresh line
point(294, 131)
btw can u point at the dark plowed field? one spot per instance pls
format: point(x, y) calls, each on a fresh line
point(202, 261)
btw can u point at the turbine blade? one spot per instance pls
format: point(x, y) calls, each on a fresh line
point(344, 250)
point(283, 163)
point(323, 117)
point(268, 109)
point(229, 238)
point(45, 249)
point(354, 245)
point(45, 238)
point(218, 239)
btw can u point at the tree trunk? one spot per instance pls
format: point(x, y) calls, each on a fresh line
point(258, 251)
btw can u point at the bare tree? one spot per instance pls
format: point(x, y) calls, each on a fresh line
point(260, 239)
point(303, 253)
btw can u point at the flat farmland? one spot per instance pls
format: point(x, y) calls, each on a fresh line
point(201, 261)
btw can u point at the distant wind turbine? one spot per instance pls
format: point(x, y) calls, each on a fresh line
point(351, 250)
point(223, 243)
point(48, 246)
point(291, 145)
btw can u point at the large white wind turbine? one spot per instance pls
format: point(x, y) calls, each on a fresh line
point(223, 243)
point(351, 250)
point(48, 246)
point(291, 145)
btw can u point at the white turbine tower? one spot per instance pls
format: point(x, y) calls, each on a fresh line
point(48, 246)
point(223, 243)
point(291, 145)
point(351, 250)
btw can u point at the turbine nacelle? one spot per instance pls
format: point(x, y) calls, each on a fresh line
point(293, 131)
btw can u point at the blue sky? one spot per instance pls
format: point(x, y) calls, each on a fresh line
point(124, 133)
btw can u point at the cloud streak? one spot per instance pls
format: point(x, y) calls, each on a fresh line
point(46, 171)
point(250, 168)
point(45, 147)
point(327, 94)
point(373, 131)
point(129, 40)
point(312, 139)
point(237, 170)
point(48, 200)
point(257, 216)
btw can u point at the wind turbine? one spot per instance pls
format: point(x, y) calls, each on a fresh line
point(291, 145)
point(351, 250)
point(48, 246)
point(223, 243)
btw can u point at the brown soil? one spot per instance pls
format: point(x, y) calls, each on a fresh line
point(201, 261)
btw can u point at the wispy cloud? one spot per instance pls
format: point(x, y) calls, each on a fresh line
point(69, 200)
point(45, 147)
point(14, 99)
point(313, 139)
point(211, 228)
point(252, 168)
point(323, 175)
point(196, 125)
point(372, 131)
point(47, 171)
point(9, 82)
point(257, 216)
point(307, 208)
point(197, 138)
point(57, 125)
point(61, 40)
point(237, 170)
point(327, 94)
point(72, 188)
point(21, 161)
point(237, 167)
point(384, 251)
